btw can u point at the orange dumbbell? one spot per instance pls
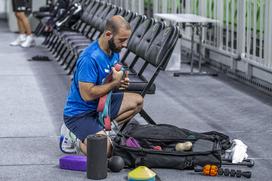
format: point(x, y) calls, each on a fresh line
point(213, 170)
point(208, 170)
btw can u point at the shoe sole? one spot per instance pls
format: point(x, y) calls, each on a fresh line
point(14, 45)
point(60, 146)
point(32, 45)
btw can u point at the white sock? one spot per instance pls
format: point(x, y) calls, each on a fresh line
point(22, 37)
point(30, 36)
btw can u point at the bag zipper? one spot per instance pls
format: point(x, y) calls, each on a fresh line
point(144, 150)
point(160, 140)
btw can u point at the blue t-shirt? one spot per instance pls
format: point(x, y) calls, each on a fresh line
point(92, 66)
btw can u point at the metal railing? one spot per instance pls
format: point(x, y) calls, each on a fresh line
point(133, 5)
point(245, 28)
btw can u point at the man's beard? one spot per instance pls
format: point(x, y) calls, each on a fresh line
point(113, 47)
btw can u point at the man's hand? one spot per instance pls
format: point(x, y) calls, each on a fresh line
point(124, 82)
point(117, 77)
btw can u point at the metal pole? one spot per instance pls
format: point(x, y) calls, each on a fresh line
point(266, 33)
point(174, 6)
point(248, 46)
point(269, 61)
point(188, 6)
point(202, 7)
point(192, 48)
point(164, 6)
point(155, 6)
point(261, 29)
point(227, 25)
point(234, 62)
point(232, 25)
point(209, 15)
point(141, 6)
point(254, 28)
point(200, 30)
point(241, 26)
point(126, 4)
point(219, 5)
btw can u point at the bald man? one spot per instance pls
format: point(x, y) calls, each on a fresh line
point(93, 65)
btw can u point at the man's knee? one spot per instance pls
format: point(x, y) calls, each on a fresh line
point(19, 15)
point(132, 101)
point(138, 103)
point(139, 99)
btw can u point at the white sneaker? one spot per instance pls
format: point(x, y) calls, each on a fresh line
point(19, 40)
point(29, 42)
point(114, 130)
point(68, 141)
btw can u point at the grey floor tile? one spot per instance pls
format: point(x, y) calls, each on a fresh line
point(37, 150)
point(258, 143)
point(24, 111)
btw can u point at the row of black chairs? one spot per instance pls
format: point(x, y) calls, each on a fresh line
point(149, 47)
point(57, 14)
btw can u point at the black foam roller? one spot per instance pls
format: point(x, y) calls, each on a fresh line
point(97, 157)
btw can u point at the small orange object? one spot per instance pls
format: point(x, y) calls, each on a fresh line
point(210, 170)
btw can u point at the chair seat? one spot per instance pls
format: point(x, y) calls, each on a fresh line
point(65, 34)
point(79, 46)
point(81, 40)
point(137, 84)
point(40, 15)
point(62, 34)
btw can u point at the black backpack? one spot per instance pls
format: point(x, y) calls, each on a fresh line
point(207, 147)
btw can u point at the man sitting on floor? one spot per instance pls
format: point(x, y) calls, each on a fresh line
point(93, 65)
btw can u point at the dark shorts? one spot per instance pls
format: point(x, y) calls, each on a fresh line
point(20, 5)
point(87, 123)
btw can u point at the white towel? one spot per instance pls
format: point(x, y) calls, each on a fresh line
point(238, 151)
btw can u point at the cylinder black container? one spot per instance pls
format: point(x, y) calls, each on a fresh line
point(97, 157)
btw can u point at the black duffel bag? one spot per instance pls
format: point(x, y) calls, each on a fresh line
point(207, 148)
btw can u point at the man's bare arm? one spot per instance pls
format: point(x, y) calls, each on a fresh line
point(90, 91)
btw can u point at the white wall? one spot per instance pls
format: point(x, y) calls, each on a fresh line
point(3, 8)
